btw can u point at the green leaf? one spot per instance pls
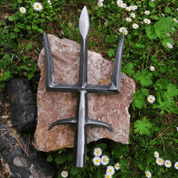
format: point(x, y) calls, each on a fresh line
point(103, 146)
point(13, 35)
point(111, 52)
point(34, 27)
point(70, 157)
point(140, 166)
point(152, 143)
point(61, 159)
point(19, 1)
point(75, 170)
point(139, 45)
point(30, 76)
point(69, 24)
point(151, 4)
point(142, 126)
point(150, 32)
point(167, 9)
point(139, 99)
point(28, 27)
point(5, 75)
point(40, 30)
point(11, 18)
point(128, 69)
point(144, 77)
point(28, 46)
point(7, 57)
point(50, 158)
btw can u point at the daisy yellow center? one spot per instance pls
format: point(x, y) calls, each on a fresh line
point(117, 166)
point(100, 4)
point(125, 32)
point(155, 154)
point(97, 161)
point(110, 170)
point(37, 6)
point(97, 152)
point(132, 8)
point(169, 45)
point(177, 165)
point(147, 174)
point(123, 5)
point(167, 163)
point(151, 99)
point(104, 159)
point(107, 176)
point(135, 26)
point(146, 20)
point(146, 12)
point(22, 10)
point(122, 29)
point(64, 173)
point(174, 20)
point(160, 160)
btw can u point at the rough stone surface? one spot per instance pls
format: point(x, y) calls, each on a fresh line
point(53, 106)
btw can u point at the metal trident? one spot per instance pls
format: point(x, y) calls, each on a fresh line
point(81, 119)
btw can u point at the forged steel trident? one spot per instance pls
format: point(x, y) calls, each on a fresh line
point(81, 119)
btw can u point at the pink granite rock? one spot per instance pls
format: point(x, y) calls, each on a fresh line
point(53, 106)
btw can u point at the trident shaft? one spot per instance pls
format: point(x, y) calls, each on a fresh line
point(81, 119)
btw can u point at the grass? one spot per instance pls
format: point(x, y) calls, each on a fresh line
point(152, 125)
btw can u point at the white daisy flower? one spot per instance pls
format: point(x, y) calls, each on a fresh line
point(133, 15)
point(96, 161)
point(135, 7)
point(107, 175)
point(135, 26)
point(122, 29)
point(128, 9)
point(156, 154)
point(159, 161)
point(100, 4)
point(49, 2)
point(110, 170)
point(120, 5)
point(22, 10)
point(124, 5)
point(97, 152)
point(162, 14)
point(147, 12)
point(168, 34)
point(169, 45)
point(177, 9)
point(152, 0)
point(147, 21)
point(148, 174)
point(173, 28)
point(117, 166)
point(104, 160)
point(151, 99)
point(175, 20)
point(64, 173)
point(101, 0)
point(37, 6)
point(119, 2)
point(176, 165)
point(125, 32)
point(177, 129)
point(168, 163)
point(132, 8)
point(128, 19)
point(152, 68)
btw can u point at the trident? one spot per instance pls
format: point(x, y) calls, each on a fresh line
point(81, 120)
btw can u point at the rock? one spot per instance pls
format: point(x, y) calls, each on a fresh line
point(53, 106)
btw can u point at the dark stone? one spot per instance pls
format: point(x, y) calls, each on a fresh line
point(22, 104)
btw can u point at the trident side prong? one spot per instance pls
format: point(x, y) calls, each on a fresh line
point(81, 119)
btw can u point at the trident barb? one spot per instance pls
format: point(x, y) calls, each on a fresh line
point(81, 119)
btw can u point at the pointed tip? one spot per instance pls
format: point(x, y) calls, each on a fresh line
point(84, 22)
